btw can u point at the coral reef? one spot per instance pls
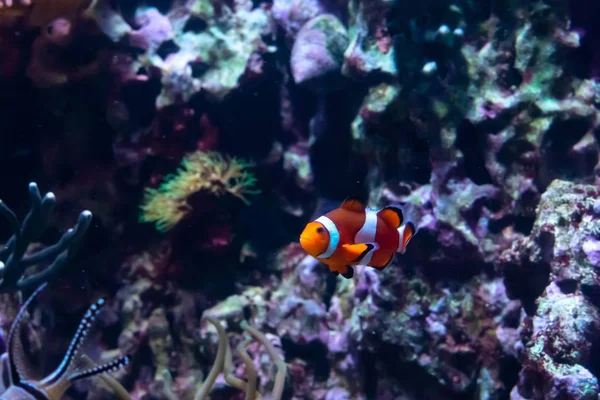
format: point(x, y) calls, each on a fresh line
point(318, 52)
point(554, 266)
point(199, 46)
point(229, 124)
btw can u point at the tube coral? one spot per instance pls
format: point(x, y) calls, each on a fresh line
point(200, 171)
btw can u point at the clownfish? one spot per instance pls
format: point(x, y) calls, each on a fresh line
point(355, 235)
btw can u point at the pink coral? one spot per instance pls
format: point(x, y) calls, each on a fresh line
point(292, 15)
point(318, 52)
point(155, 29)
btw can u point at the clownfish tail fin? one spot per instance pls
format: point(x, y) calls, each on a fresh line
point(407, 228)
point(406, 232)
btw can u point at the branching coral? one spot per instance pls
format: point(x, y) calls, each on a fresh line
point(201, 171)
point(13, 261)
point(223, 363)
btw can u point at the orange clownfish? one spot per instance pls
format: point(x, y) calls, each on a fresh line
point(355, 235)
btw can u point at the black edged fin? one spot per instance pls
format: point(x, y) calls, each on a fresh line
point(388, 262)
point(409, 231)
point(392, 215)
point(349, 274)
point(71, 357)
point(369, 248)
point(19, 368)
point(354, 203)
point(335, 273)
point(113, 365)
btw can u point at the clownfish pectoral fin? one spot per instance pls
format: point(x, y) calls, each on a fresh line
point(406, 231)
point(335, 269)
point(345, 270)
point(348, 273)
point(393, 216)
point(354, 203)
point(356, 252)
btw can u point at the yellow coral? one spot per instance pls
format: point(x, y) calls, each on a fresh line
point(207, 171)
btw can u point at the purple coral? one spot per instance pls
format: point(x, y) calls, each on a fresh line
point(318, 51)
point(292, 15)
point(154, 29)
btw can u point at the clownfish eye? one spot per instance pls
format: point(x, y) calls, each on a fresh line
point(320, 230)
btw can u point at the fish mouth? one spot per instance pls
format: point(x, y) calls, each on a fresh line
point(306, 242)
point(310, 245)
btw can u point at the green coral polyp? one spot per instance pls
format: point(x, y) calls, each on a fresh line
point(199, 171)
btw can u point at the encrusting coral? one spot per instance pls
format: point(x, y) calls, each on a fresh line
point(200, 171)
point(554, 272)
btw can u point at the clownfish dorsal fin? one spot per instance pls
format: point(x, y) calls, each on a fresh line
point(393, 216)
point(354, 203)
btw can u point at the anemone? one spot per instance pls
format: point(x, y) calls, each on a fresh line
point(209, 172)
point(224, 364)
